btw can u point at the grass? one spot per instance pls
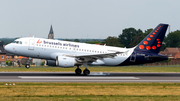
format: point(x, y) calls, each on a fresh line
point(93, 98)
point(95, 69)
point(91, 91)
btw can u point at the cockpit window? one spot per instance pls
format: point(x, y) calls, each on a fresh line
point(17, 42)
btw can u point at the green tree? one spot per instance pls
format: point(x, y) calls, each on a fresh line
point(76, 40)
point(173, 39)
point(66, 40)
point(127, 36)
point(139, 37)
point(42, 63)
point(8, 62)
point(112, 41)
point(94, 42)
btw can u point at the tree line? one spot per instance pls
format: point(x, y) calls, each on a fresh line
point(130, 37)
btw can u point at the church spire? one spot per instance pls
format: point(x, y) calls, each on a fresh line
point(51, 30)
point(51, 33)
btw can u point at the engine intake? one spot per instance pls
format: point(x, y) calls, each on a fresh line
point(64, 61)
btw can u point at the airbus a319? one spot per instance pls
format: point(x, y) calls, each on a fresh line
point(70, 54)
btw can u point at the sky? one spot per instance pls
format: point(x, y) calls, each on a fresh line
point(96, 19)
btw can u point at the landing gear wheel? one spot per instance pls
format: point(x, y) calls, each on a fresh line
point(27, 66)
point(78, 71)
point(86, 72)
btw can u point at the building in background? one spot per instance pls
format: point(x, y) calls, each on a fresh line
point(173, 53)
point(51, 33)
point(2, 55)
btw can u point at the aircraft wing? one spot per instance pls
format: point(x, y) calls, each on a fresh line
point(88, 57)
point(94, 57)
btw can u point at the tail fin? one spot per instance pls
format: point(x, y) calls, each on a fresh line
point(153, 41)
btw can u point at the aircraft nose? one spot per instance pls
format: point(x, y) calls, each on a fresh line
point(7, 48)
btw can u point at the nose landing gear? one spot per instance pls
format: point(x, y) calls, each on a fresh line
point(27, 66)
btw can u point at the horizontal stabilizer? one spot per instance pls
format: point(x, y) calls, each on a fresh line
point(155, 56)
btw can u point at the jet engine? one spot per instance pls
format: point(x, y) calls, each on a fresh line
point(64, 61)
point(51, 62)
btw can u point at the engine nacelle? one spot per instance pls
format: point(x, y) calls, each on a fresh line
point(51, 62)
point(64, 61)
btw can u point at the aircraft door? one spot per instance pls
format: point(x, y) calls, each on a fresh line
point(31, 44)
point(133, 57)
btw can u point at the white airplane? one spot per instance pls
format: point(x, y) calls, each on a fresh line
point(70, 54)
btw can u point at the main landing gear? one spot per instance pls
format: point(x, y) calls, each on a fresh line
point(86, 72)
point(78, 71)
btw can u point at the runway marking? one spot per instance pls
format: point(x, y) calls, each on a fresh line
point(22, 80)
point(56, 77)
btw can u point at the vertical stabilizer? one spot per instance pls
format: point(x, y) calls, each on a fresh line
point(153, 41)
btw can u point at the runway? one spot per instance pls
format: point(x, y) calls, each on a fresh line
point(93, 77)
